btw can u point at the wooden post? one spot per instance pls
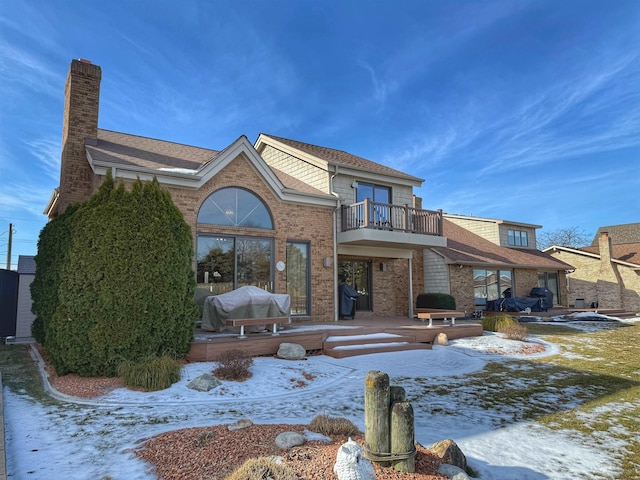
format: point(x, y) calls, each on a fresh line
point(403, 436)
point(397, 394)
point(376, 413)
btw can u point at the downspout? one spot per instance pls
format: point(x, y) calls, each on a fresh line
point(410, 288)
point(335, 246)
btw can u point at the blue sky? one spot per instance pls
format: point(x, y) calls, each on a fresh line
point(521, 110)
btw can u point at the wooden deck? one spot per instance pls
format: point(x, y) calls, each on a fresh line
point(360, 336)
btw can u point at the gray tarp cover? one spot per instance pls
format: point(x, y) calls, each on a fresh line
point(244, 302)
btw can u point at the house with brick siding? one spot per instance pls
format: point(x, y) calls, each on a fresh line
point(484, 257)
point(607, 272)
point(280, 214)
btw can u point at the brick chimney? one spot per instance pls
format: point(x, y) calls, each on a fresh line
point(82, 98)
point(608, 283)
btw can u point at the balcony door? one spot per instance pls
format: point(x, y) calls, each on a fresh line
point(379, 215)
point(357, 273)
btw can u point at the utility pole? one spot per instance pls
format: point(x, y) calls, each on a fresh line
point(9, 247)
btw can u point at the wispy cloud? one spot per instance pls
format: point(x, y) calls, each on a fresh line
point(47, 152)
point(380, 89)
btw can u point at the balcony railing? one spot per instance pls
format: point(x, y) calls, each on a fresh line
point(384, 216)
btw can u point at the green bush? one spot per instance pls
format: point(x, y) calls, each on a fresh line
point(123, 282)
point(261, 468)
point(53, 252)
point(150, 374)
point(436, 300)
point(331, 426)
point(494, 323)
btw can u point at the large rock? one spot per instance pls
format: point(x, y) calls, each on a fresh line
point(441, 339)
point(240, 424)
point(450, 453)
point(292, 351)
point(453, 472)
point(203, 383)
point(289, 439)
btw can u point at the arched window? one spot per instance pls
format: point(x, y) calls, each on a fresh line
point(235, 207)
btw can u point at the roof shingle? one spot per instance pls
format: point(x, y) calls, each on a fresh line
point(467, 247)
point(342, 158)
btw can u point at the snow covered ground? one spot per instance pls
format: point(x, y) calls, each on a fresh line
point(82, 439)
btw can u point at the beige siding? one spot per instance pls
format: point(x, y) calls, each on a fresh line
point(304, 171)
point(484, 229)
point(436, 273)
point(24, 317)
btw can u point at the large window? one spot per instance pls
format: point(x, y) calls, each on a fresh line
point(298, 275)
point(490, 285)
point(226, 263)
point(235, 207)
point(517, 238)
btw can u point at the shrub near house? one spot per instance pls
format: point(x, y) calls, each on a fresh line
point(114, 281)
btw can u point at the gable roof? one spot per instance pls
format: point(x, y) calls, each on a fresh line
point(132, 150)
point(333, 157)
point(134, 157)
point(627, 252)
point(467, 248)
point(625, 233)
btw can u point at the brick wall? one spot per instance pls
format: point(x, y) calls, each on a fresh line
point(298, 222)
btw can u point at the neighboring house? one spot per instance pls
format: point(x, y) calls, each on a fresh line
point(484, 257)
point(283, 215)
point(24, 315)
point(607, 272)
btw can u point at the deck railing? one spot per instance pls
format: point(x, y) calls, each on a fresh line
point(385, 216)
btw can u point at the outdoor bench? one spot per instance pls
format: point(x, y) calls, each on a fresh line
point(241, 322)
point(438, 314)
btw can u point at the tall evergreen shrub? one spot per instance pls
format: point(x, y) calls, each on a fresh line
point(53, 248)
point(126, 288)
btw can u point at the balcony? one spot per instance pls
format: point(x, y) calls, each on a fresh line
point(392, 226)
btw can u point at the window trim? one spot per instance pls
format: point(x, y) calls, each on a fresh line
point(308, 274)
point(517, 238)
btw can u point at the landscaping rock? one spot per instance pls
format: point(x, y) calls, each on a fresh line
point(240, 424)
point(203, 383)
point(453, 472)
point(291, 351)
point(441, 339)
point(449, 453)
point(289, 440)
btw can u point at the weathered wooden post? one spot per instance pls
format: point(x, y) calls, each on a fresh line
point(403, 437)
point(388, 424)
point(376, 413)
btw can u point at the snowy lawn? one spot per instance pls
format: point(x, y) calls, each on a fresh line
point(570, 412)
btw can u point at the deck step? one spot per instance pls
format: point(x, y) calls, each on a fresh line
point(368, 338)
point(343, 351)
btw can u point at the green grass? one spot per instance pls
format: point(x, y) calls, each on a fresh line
point(613, 357)
point(593, 388)
point(20, 374)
